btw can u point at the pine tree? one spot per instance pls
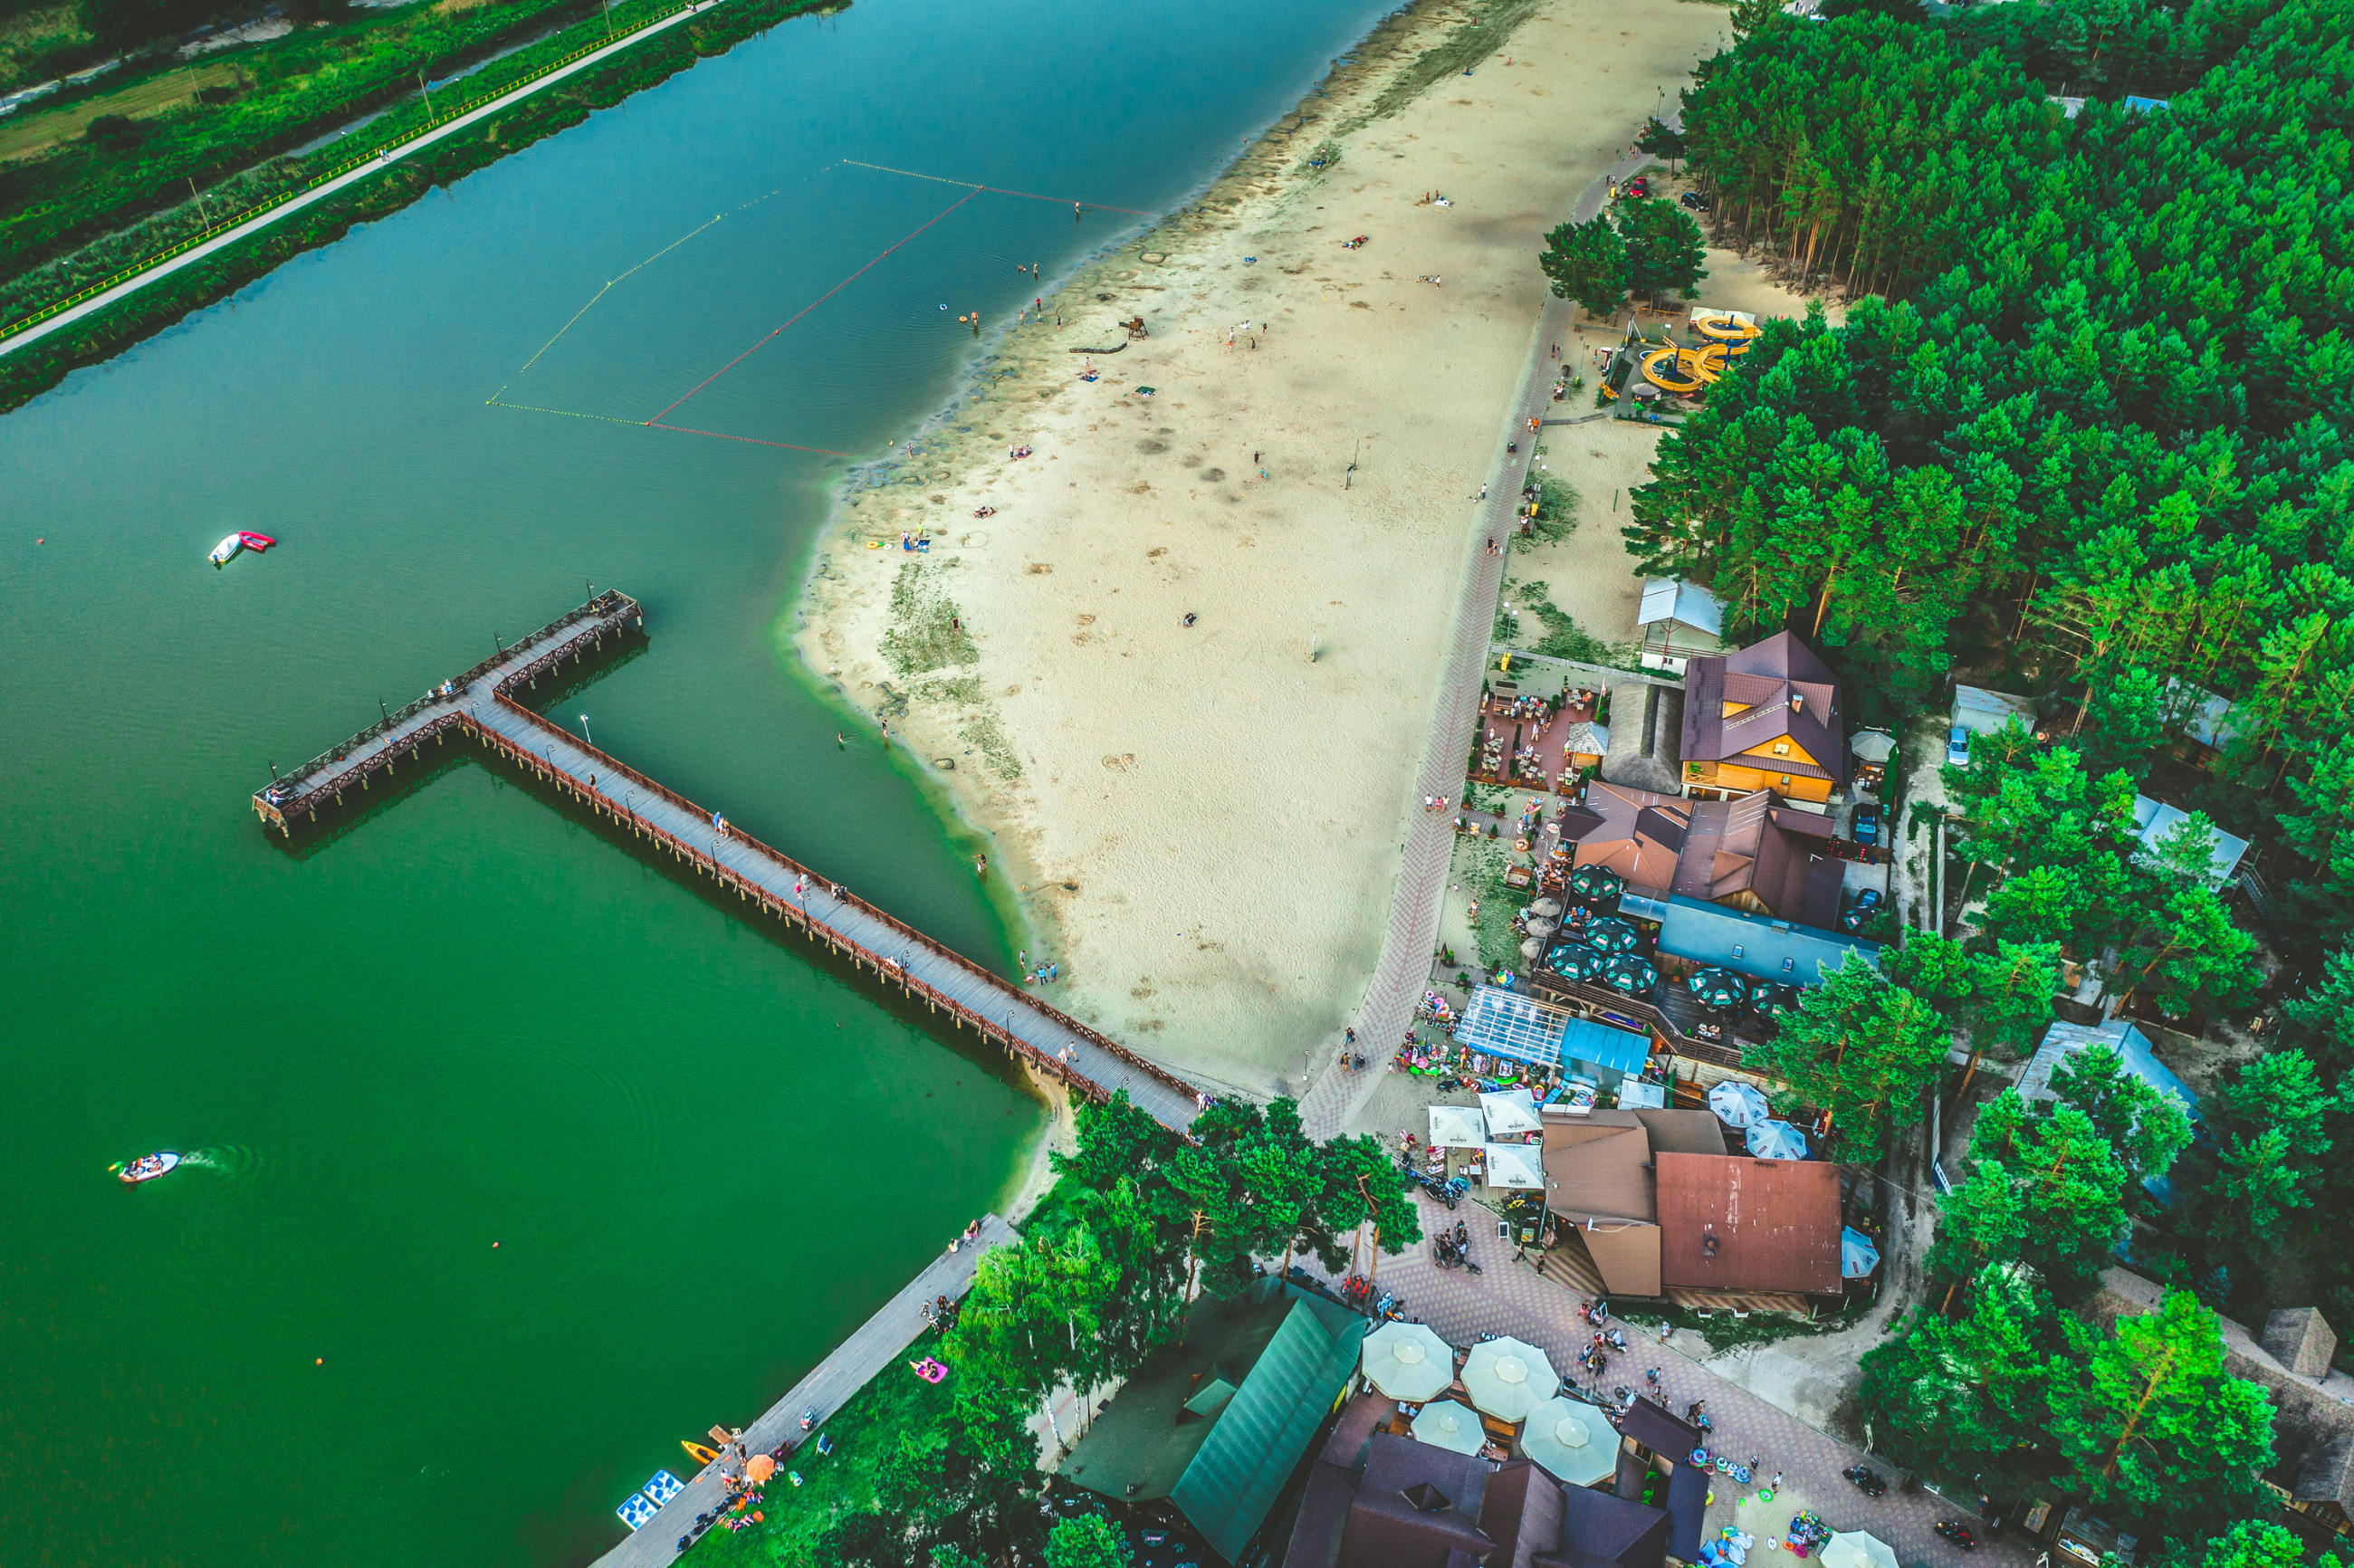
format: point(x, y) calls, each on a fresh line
point(2149, 1422)
point(1967, 1393)
point(1587, 262)
point(1662, 247)
point(1860, 1048)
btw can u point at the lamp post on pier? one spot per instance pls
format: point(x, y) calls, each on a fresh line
point(584, 730)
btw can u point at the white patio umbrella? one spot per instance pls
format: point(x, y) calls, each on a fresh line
point(1511, 1113)
point(1573, 1440)
point(1737, 1104)
point(1857, 1256)
point(1777, 1140)
point(1444, 1423)
point(1515, 1165)
point(1508, 1379)
point(1407, 1361)
point(1456, 1126)
point(1854, 1549)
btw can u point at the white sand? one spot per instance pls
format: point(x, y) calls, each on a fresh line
point(1210, 819)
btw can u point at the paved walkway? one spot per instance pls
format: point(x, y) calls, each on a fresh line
point(874, 1347)
point(1403, 971)
point(1513, 1298)
point(365, 171)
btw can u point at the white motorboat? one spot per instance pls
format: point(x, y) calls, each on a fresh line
point(147, 1167)
point(227, 548)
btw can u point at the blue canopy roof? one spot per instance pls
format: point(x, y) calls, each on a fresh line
point(1505, 1024)
point(1755, 945)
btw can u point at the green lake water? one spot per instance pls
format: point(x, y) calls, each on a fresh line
point(466, 1018)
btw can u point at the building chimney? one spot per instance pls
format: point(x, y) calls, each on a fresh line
point(1797, 701)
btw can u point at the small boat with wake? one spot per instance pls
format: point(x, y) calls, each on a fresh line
point(225, 551)
point(147, 1168)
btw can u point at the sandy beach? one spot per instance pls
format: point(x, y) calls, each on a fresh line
point(1203, 820)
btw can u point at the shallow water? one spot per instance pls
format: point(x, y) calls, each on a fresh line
point(467, 1018)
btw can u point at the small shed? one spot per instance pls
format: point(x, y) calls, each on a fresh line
point(2153, 820)
point(1983, 712)
point(1679, 619)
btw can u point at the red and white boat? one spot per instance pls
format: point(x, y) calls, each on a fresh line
point(147, 1167)
point(227, 548)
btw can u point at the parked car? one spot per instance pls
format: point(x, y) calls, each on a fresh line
point(1853, 917)
point(1638, 186)
point(1957, 747)
point(1695, 200)
point(1865, 828)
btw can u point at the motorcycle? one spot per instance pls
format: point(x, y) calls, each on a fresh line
point(1870, 1483)
point(1955, 1531)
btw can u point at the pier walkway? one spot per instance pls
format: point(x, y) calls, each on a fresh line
point(876, 1344)
point(478, 706)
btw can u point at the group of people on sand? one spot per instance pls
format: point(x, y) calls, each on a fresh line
point(1021, 451)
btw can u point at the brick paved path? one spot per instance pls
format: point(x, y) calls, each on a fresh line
point(1513, 1298)
point(1404, 969)
point(871, 1347)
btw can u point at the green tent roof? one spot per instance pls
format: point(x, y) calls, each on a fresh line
point(1266, 1426)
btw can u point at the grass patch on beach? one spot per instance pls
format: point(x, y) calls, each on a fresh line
point(865, 1431)
point(1556, 517)
point(1472, 42)
point(1563, 637)
point(1325, 158)
point(927, 630)
point(962, 691)
point(987, 736)
point(1484, 862)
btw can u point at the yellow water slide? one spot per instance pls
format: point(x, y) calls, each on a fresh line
point(1734, 329)
point(1684, 371)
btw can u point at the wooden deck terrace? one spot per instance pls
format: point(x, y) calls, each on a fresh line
point(479, 707)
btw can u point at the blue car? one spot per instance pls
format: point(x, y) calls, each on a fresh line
point(1957, 747)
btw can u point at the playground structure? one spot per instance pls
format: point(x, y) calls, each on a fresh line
point(1652, 363)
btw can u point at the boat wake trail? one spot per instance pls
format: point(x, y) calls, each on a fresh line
point(232, 1162)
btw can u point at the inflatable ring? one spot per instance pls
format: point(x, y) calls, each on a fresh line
point(1522, 845)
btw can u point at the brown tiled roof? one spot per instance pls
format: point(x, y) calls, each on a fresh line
point(1792, 877)
point(1619, 829)
point(1753, 845)
point(1787, 691)
point(1596, 1167)
point(1651, 1423)
point(1414, 1505)
point(1521, 1511)
point(1600, 1530)
point(1775, 1224)
point(1682, 1131)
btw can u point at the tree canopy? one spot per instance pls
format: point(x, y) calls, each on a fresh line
point(1863, 1048)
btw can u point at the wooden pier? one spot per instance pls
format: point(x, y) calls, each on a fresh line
point(480, 707)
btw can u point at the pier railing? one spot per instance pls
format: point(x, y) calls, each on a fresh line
point(604, 790)
point(705, 861)
point(307, 779)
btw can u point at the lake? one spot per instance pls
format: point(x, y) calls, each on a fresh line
point(515, 1159)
